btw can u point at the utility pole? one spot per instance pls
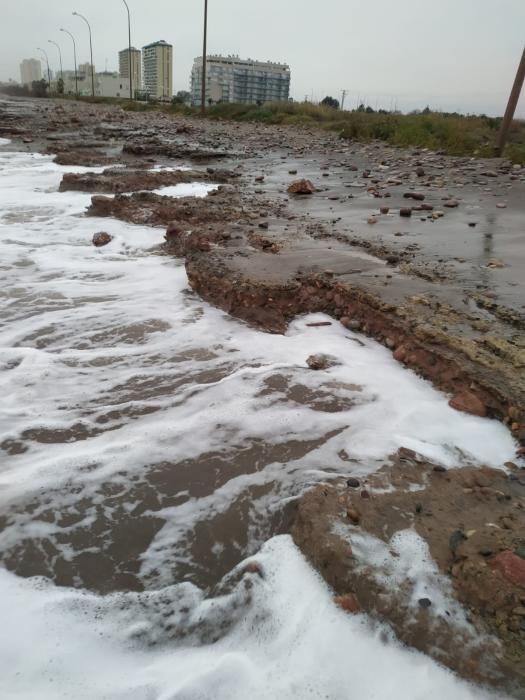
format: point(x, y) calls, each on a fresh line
point(74, 58)
point(129, 53)
point(343, 97)
point(511, 106)
point(204, 51)
point(77, 14)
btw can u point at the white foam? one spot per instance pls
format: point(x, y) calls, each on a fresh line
point(187, 189)
point(4, 142)
point(290, 642)
point(111, 366)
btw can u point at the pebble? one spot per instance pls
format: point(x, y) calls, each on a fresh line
point(353, 483)
point(424, 602)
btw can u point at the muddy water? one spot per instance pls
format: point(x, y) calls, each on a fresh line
point(150, 443)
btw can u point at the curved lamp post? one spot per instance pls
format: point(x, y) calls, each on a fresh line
point(74, 56)
point(129, 53)
point(47, 62)
point(59, 55)
point(77, 14)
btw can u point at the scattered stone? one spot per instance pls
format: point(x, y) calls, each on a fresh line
point(424, 603)
point(455, 539)
point(417, 196)
point(351, 323)
point(353, 515)
point(372, 220)
point(511, 566)
point(468, 402)
point(101, 238)
point(451, 204)
point(318, 362)
point(384, 210)
point(405, 211)
point(439, 469)
point(495, 263)
point(292, 172)
point(348, 603)
point(501, 205)
point(353, 483)
point(301, 187)
point(420, 172)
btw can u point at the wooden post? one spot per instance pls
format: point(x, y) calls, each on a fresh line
point(511, 107)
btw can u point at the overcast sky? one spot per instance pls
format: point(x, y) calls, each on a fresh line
point(451, 54)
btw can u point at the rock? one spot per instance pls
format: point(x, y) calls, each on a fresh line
point(451, 203)
point(417, 196)
point(253, 567)
point(455, 539)
point(348, 602)
point(468, 402)
point(384, 210)
point(318, 362)
point(420, 172)
point(501, 205)
point(353, 515)
point(353, 483)
point(392, 259)
point(351, 323)
point(424, 603)
point(259, 178)
point(292, 172)
point(520, 551)
point(372, 220)
point(511, 566)
point(400, 353)
point(495, 263)
point(101, 238)
point(301, 187)
point(405, 211)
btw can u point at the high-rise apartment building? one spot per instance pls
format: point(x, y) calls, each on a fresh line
point(136, 66)
point(158, 69)
point(232, 79)
point(30, 70)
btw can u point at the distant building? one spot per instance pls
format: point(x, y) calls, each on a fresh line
point(30, 70)
point(111, 85)
point(158, 69)
point(136, 66)
point(84, 70)
point(232, 79)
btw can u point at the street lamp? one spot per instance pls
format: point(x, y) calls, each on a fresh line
point(47, 61)
point(129, 53)
point(77, 14)
point(59, 55)
point(203, 96)
point(74, 56)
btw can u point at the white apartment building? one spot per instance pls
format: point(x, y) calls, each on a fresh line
point(232, 79)
point(30, 70)
point(136, 66)
point(111, 85)
point(158, 69)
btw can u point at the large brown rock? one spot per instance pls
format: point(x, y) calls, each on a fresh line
point(511, 566)
point(101, 238)
point(301, 187)
point(468, 402)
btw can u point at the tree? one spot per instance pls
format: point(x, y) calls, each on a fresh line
point(181, 98)
point(39, 88)
point(60, 86)
point(330, 102)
